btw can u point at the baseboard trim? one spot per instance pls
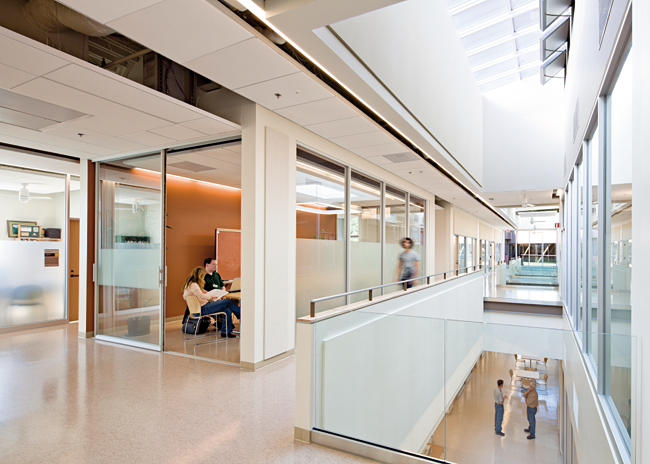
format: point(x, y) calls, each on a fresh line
point(90, 334)
point(32, 325)
point(174, 319)
point(248, 366)
point(302, 435)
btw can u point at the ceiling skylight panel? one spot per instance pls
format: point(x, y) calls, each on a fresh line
point(484, 36)
point(530, 18)
point(529, 73)
point(493, 53)
point(496, 69)
point(480, 13)
point(528, 40)
point(499, 82)
point(529, 57)
point(514, 4)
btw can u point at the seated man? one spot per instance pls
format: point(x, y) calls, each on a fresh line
point(212, 279)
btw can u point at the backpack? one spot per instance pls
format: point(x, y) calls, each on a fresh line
point(190, 324)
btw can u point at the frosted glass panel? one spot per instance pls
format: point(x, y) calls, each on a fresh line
point(320, 271)
point(29, 291)
point(365, 235)
point(395, 232)
point(128, 271)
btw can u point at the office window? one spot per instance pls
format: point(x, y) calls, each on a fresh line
point(395, 231)
point(592, 312)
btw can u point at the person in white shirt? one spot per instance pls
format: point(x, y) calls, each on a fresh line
point(498, 407)
point(194, 286)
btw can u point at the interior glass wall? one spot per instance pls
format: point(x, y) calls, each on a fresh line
point(128, 287)
point(320, 232)
point(416, 227)
point(592, 319)
point(460, 250)
point(33, 266)
point(395, 231)
point(365, 235)
point(370, 221)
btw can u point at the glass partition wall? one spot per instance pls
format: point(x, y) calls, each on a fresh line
point(130, 257)
point(349, 228)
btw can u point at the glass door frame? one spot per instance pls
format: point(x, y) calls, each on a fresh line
point(162, 271)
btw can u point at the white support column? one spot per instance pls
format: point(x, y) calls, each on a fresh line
point(268, 241)
point(84, 226)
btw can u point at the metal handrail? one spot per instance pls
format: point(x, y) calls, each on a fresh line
point(312, 303)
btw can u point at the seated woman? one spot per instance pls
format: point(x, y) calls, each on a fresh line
point(194, 286)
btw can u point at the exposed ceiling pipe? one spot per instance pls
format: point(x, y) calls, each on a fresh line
point(53, 17)
point(126, 58)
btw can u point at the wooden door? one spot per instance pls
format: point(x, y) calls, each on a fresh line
point(73, 271)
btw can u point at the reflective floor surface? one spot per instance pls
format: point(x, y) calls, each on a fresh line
point(224, 350)
point(470, 436)
point(70, 400)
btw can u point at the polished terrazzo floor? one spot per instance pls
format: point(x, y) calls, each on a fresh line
point(70, 400)
point(467, 435)
point(224, 350)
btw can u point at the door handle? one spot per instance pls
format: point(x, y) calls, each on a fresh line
point(73, 275)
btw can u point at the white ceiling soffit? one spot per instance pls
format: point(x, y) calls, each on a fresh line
point(114, 115)
point(500, 38)
point(226, 50)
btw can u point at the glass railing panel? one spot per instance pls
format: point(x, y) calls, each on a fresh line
point(428, 385)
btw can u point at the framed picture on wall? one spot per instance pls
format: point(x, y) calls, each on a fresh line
point(13, 227)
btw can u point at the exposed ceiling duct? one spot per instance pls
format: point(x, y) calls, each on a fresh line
point(52, 17)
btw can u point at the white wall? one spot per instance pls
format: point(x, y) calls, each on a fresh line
point(414, 49)
point(523, 143)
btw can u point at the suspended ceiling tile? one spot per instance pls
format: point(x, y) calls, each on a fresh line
point(216, 156)
point(96, 150)
point(27, 58)
point(380, 150)
point(181, 30)
point(381, 161)
point(210, 126)
point(104, 12)
point(342, 127)
point(243, 64)
point(415, 166)
point(120, 145)
point(178, 132)
point(70, 131)
point(104, 86)
point(11, 77)
point(293, 89)
point(368, 139)
point(148, 139)
point(110, 118)
point(316, 112)
point(35, 136)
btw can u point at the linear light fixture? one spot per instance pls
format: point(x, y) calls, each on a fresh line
point(261, 15)
point(192, 180)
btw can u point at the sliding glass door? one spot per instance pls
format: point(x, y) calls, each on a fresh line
point(129, 290)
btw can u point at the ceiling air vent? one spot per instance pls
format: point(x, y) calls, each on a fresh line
point(30, 113)
point(402, 157)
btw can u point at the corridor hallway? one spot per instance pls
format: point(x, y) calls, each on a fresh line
point(70, 400)
point(470, 437)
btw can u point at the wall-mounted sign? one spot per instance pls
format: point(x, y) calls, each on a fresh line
point(51, 258)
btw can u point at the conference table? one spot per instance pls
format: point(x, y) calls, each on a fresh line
point(524, 374)
point(529, 358)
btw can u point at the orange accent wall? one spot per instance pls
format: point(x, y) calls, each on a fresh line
point(310, 224)
point(194, 211)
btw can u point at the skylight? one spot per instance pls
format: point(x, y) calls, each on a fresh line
point(501, 39)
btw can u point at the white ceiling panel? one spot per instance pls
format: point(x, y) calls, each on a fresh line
point(181, 30)
point(380, 150)
point(11, 77)
point(210, 126)
point(96, 150)
point(178, 132)
point(293, 89)
point(108, 11)
point(319, 111)
point(35, 136)
point(243, 64)
point(110, 118)
point(148, 139)
point(26, 58)
point(381, 161)
point(120, 92)
point(368, 139)
point(342, 127)
point(70, 131)
point(121, 145)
